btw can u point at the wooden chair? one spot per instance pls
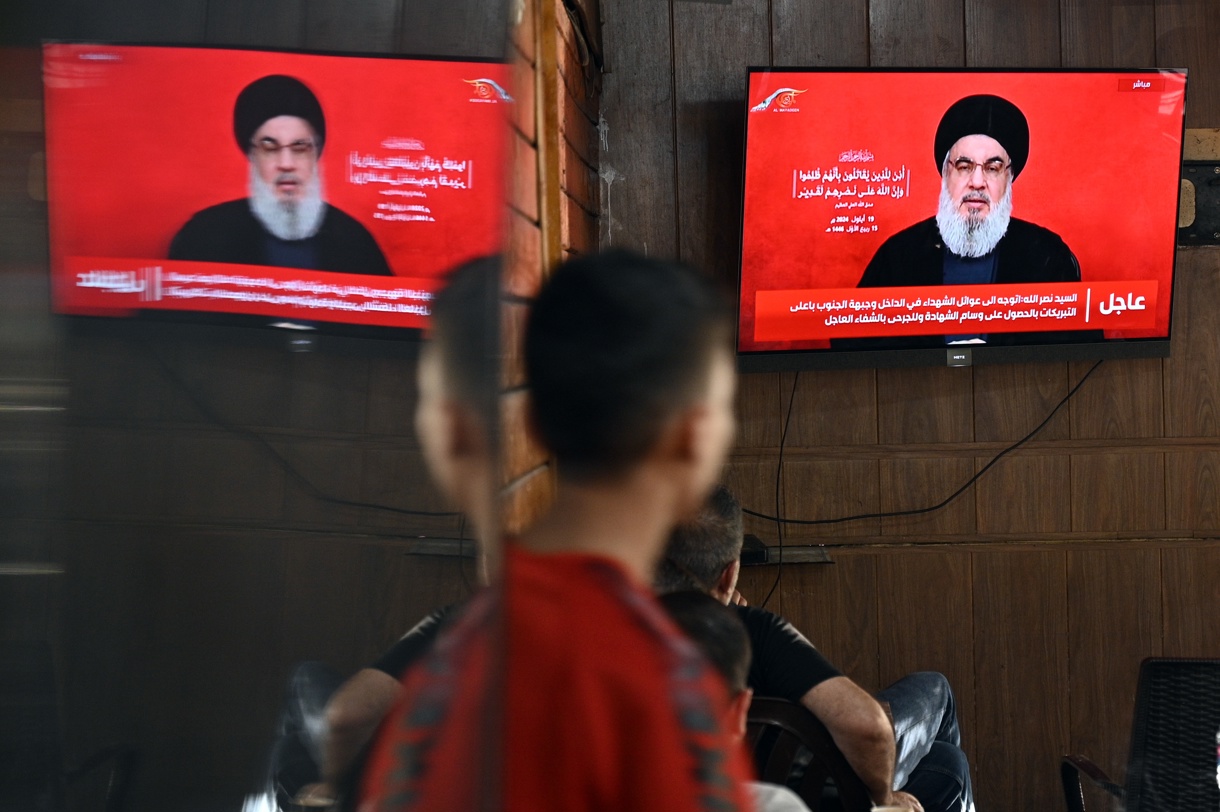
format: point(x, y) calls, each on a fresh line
point(777, 730)
point(1174, 761)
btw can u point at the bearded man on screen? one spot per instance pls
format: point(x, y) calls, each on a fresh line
point(981, 147)
point(285, 221)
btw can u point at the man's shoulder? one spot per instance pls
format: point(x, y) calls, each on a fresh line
point(925, 231)
point(1024, 230)
point(339, 220)
point(225, 212)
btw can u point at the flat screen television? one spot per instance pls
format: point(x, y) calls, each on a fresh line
point(895, 217)
point(310, 188)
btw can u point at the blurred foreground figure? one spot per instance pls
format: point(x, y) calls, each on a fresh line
point(327, 722)
point(565, 686)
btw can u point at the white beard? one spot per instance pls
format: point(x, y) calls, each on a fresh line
point(969, 236)
point(288, 219)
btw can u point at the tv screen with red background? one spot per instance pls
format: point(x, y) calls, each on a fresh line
point(841, 246)
point(151, 176)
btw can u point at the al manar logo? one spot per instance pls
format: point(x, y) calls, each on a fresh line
point(487, 91)
point(783, 99)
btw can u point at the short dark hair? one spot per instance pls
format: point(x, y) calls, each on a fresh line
point(716, 630)
point(464, 331)
point(700, 549)
point(617, 344)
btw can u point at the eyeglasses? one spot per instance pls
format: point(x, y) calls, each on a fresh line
point(992, 169)
point(269, 147)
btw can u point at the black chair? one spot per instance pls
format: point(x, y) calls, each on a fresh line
point(782, 735)
point(1174, 762)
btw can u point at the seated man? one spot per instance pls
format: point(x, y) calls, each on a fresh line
point(722, 639)
point(910, 757)
point(564, 685)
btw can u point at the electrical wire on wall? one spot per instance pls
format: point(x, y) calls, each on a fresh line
point(780, 520)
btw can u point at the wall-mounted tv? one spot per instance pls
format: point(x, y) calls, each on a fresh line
point(306, 187)
point(897, 217)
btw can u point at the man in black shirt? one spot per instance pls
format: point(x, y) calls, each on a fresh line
point(909, 756)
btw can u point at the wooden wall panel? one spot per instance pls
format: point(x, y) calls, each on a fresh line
point(1191, 600)
point(916, 33)
point(1186, 33)
point(1114, 621)
point(713, 43)
point(467, 28)
point(800, 36)
point(1121, 492)
point(752, 481)
point(924, 405)
point(330, 24)
point(1192, 491)
point(910, 484)
point(1020, 650)
point(260, 23)
point(1104, 34)
point(1023, 493)
point(637, 148)
point(1007, 35)
point(762, 404)
point(831, 489)
point(1122, 399)
point(1192, 372)
point(1010, 400)
point(833, 407)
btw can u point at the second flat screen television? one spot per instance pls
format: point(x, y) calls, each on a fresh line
point(891, 216)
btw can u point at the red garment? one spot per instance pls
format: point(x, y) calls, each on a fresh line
point(600, 704)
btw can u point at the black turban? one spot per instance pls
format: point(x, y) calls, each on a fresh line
point(985, 115)
point(272, 96)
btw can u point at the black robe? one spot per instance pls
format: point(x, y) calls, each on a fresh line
point(915, 257)
point(229, 232)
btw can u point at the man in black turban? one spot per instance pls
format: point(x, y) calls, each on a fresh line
point(981, 146)
point(279, 126)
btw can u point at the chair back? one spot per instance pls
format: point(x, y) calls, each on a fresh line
point(778, 731)
point(1174, 763)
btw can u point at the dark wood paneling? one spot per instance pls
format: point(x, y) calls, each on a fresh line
point(264, 23)
point(330, 24)
point(801, 37)
point(761, 408)
point(527, 499)
point(461, 28)
point(637, 150)
point(1121, 399)
point(752, 481)
point(1105, 34)
point(1191, 598)
point(713, 44)
point(1186, 36)
point(399, 479)
point(1192, 490)
point(1114, 621)
point(235, 383)
point(926, 623)
point(524, 258)
point(1118, 492)
point(519, 451)
point(1192, 372)
point(835, 606)
point(924, 406)
point(908, 484)
point(336, 469)
point(523, 89)
point(513, 316)
point(391, 397)
point(1021, 662)
point(1024, 494)
point(523, 192)
point(579, 227)
point(916, 33)
point(1001, 34)
point(329, 392)
point(1010, 400)
point(831, 489)
point(220, 477)
point(833, 407)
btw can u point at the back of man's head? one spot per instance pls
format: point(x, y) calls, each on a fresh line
point(616, 345)
point(699, 550)
point(464, 334)
point(716, 630)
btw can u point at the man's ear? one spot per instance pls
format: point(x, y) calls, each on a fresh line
point(739, 713)
point(727, 581)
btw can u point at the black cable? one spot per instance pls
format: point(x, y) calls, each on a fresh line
point(296, 476)
point(918, 511)
point(779, 474)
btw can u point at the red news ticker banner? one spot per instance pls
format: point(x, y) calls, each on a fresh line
point(827, 313)
point(109, 286)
